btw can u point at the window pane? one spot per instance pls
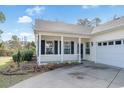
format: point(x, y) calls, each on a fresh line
point(49, 47)
point(118, 42)
point(87, 48)
point(67, 48)
point(104, 43)
point(99, 44)
point(87, 44)
point(111, 43)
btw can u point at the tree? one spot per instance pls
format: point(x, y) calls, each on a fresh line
point(33, 44)
point(15, 43)
point(96, 21)
point(2, 46)
point(2, 17)
point(30, 45)
point(91, 23)
point(84, 22)
point(0, 35)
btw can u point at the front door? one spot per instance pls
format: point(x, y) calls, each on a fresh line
point(81, 51)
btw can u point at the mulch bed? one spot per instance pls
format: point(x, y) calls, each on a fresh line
point(31, 67)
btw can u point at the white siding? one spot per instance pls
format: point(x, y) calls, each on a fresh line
point(70, 57)
point(112, 35)
point(50, 58)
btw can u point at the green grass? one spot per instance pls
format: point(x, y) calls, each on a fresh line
point(7, 80)
point(4, 62)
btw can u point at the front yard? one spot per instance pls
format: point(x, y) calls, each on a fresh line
point(28, 68)
point(9, 80)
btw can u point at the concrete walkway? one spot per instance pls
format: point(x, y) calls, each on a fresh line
point(79, 76)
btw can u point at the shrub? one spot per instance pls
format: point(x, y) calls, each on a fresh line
point(14, 56)
point(23, 55)
point(17, 58)
point(27, 55)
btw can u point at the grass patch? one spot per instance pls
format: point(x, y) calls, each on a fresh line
point(9, 80)
point(4, 62)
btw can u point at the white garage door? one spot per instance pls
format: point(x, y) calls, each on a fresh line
point(111, 53)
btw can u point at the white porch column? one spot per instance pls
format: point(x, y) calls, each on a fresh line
point(95, 47)
point(62, 48)
point(39, 50)
point(36, 43)
point(79, 41)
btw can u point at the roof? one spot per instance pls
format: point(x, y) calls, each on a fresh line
point(116, 23)
point(61, 27)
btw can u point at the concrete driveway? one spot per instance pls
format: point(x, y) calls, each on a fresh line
point(87, 75)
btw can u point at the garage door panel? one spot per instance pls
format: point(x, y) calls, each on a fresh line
point(110, 54)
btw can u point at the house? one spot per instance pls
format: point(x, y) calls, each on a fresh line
point(62, 42)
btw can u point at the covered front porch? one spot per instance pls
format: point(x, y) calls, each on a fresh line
point(55, 48)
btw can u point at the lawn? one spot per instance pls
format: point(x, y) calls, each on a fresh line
point(4, 61)
point(7, 80)
point(10, 80)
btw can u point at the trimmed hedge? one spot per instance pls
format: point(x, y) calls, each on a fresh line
point(23, 55)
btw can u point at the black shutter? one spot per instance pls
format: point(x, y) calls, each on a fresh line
point(72, 47)
point(60, 47)
point(56, 47)
point(42, 46)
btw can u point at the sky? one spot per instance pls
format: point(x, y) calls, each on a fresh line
point(20, 18)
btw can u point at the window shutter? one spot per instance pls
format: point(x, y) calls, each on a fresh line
point(42, 46)
point(72, 47)
point(56, 47)
point(60, 47)
point(77, 48)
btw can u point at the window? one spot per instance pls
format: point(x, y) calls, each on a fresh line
point(99, 44)
point(87, 48)
point(110, 43)
point(49, 47)
point(67, 47)
point(118, 42)
point(104, 43)
point(91, 43)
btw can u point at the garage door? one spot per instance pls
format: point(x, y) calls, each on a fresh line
point(111, 53)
